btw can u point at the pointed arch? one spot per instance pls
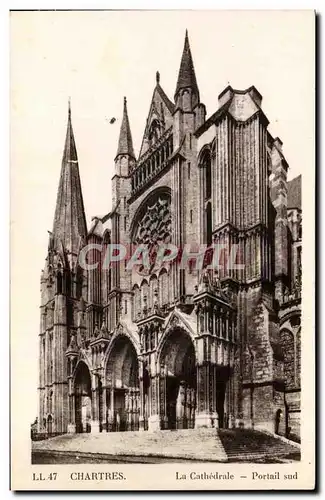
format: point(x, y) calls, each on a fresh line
point(176, 363)
point(136, 311)
point(144, 294)
point(121, 378)
point(153, 287)
point(176, 320)
point(164, 192)
point(121, 363)
point(83, 396)
point(164, 288)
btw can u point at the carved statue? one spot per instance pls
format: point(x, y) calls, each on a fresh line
point(96, 331)
point(73, 346)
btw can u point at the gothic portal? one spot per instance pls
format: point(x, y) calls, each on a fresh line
point(168, 346)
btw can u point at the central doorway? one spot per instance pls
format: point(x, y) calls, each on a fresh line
point(123, 396)
point(178, 360)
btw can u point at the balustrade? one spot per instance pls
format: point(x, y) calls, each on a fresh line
point(152, 164)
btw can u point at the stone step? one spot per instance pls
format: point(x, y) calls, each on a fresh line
point(200, 444)
point(193, 444)
point(247, 442)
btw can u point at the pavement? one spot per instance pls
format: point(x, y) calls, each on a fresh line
point(207, 445)
point(199, 445)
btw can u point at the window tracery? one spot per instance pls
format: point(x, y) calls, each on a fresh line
point(155, 225)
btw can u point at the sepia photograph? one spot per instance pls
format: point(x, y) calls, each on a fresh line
point(162, 180)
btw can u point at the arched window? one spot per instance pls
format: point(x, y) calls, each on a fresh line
point(79, 283)
point(59, 282)
point(208, 178)
point(269, 164)
point(67, 282)
point(186, 98)
point(163, 288)
point(208, 222)
point(154, 132)
point(153, 288)
point(49, 424)
point(109, 279)
point(51, 402)
point(152, 224)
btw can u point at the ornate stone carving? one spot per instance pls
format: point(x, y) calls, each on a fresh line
point(73, 346)
point(96, 331)
point(155, 225)
point(174, 322)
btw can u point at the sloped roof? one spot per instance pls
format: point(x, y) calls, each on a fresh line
point(169, 104)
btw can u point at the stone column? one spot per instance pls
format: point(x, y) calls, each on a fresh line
point(110, 417)
point(180, 407)
point(95, 427)
point(142, 394)
point(237, 382)
point(231, 392)
point(142, 408)
point(104, 410)
point(127, 406)
point(154, 418)
point(206, 415)
point(162, 400)
point(72, 414)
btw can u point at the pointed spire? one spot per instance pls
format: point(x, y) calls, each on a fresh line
point(125, 145)
point(70, 151)
point(69, 220)
point(186, 75)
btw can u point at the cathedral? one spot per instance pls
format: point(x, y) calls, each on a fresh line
point(171, 346)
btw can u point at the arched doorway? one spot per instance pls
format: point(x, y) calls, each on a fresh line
point(83, 398)
point(178, 366)
point(49, 424)
point(123, 397)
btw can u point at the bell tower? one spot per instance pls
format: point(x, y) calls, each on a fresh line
point(61, 289)
point(120, 295)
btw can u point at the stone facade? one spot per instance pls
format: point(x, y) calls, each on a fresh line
point(174, 347)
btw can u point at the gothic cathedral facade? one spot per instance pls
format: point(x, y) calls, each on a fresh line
point(173, 347)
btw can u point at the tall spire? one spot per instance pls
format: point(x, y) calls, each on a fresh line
point(186, 75)
point(70, 151)
point(69, 219)
point(125, 145)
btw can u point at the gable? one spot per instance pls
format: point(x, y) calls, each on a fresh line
point(160, 118)
point(242, 107)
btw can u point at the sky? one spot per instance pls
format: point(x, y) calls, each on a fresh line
point(96, 58)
